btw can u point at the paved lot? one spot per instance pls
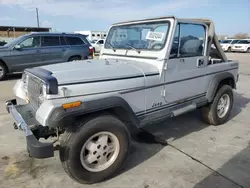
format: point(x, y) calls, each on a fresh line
point(220, 155)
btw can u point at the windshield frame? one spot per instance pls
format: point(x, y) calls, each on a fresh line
point(108, 47)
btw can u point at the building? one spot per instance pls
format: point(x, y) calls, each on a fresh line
point(93, 35)
point(9, 32)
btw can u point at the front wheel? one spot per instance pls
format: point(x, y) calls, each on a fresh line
point(219, 110)
point(96, 150)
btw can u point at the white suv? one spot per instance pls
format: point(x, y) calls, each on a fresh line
point(228, 44)
point(242, 46)
point(97, 45)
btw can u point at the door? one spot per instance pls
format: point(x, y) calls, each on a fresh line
point(185, 69)
point(52, 51)
point(27, 55)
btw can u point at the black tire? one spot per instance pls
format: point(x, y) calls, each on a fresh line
point(248, 50)
point(74, 140)
point(209, 112)
point(75, 58)
point(4, 70)
point(229, 49)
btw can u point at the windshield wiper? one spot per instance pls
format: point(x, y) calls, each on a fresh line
point(132, 47)
point(111, 46)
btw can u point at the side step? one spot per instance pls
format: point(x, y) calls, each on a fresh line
point(184, 109)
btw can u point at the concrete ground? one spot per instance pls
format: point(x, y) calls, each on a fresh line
point(199, 155)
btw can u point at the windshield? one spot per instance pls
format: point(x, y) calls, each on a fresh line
point(143, 36)
point(14, 41)
point(244, 42)
point(225, 41)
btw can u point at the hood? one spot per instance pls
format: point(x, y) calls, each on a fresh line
point(98, 70)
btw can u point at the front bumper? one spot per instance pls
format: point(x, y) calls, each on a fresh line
point(238, 50)
point(24, 118)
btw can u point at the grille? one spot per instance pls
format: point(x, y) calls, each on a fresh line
point(34, 89)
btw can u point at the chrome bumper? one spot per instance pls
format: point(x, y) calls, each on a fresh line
point(36, 149)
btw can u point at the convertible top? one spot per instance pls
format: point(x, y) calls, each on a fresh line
point(212, 37)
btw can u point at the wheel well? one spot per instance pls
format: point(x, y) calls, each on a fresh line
point(74, 56)
point(130, 122)
point(4, 65)
point(227, 81)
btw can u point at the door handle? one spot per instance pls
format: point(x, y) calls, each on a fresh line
point(63, 50)
point(200, 62)
point(38, 51)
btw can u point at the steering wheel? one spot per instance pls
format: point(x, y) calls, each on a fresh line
point(157, 44)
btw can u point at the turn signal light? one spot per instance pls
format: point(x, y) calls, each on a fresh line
point(71, 105)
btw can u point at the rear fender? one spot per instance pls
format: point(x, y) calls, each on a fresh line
point(216, 81)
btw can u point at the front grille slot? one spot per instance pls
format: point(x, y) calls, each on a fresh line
point(34, 89)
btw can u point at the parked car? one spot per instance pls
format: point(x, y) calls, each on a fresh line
point(242, 46)
point(146, 77)
point(37, 49)
point(97, 45)
point(227, 44)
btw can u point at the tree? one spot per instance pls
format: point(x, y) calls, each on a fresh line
point(241, 36)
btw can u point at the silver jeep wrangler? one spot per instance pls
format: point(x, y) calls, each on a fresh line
point(149, 70)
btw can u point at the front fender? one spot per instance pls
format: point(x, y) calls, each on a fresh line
point(60, 117)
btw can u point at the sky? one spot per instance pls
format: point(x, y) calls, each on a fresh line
point(230, 16)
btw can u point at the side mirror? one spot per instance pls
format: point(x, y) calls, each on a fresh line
point(17, 47)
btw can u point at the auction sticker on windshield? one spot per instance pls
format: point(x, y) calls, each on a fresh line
point(155, 36)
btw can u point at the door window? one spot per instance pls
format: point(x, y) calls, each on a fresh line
point(100, 42)
point(62, 41)
point(189, 41)
point(32, 42)
point(50, 41)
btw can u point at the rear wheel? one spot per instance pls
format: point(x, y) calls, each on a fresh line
point(96, 150)
point(3, 71)
point(75, 58)
point(219, 110)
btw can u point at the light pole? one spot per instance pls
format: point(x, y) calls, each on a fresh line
point(37, 17)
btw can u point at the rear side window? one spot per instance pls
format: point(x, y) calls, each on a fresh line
point(74, 41)
point(50, 41)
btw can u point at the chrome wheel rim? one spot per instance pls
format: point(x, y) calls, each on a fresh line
point(1, 71)
point(100, 151)
point(223, 105)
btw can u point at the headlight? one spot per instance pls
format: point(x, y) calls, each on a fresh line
point(25, 79)
point(42, 93)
